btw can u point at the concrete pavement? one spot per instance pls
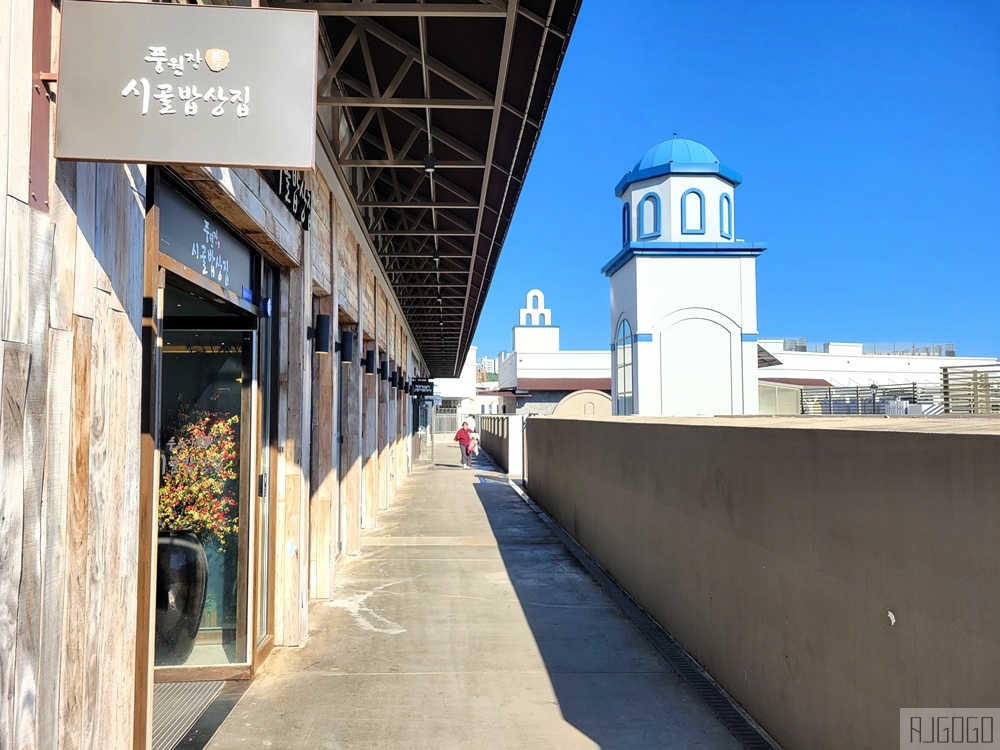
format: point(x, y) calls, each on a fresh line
point(467, 624)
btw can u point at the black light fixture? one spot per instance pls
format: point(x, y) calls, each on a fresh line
point(383, 370)
point(394, 380)
point(346, 346)
point(399, 377)
point(874, 388)
point(320, 334)
point(429, 163)
point(370, 362)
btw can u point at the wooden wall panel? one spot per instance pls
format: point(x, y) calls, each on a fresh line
point(350, 455)
point(347, 253)
point(13, 391)
point(292, 556)
point(369, 441)
point(54, 534)
point(322, 543)
point(37, 270)
point(73, 671)
point(18, 99)
point(86, 237)
point(14, 316)
point(100, 533)
point(321, 234)
point(368, 299)
point(63, 200)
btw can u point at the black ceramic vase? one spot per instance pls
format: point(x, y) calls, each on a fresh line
point(181, 578)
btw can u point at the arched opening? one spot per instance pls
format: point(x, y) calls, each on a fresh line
point(649, 216)
point(693, 212)
point(726, 216)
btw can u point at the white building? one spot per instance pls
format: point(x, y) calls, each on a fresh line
point(850, 364)
point(683, 289)
point(457, 397)
point(537, 375)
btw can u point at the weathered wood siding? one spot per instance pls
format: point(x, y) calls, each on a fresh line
point(69, 451)
point(75, 558)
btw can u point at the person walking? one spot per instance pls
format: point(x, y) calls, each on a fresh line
point(462, 439)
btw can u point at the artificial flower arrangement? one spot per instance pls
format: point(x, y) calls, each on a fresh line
point(202, 454)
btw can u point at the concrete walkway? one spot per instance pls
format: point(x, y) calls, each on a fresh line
point(467, 624)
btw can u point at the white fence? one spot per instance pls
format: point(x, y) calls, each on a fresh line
point(503, 438)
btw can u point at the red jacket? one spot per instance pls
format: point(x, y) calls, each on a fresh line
point(463, 436)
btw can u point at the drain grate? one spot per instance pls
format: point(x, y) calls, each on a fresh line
point(176, 707)
point(732, 717)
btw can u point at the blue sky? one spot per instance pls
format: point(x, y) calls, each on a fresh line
point(868, 135)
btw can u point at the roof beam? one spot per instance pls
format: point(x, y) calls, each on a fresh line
point(403, 102)
point(423, 233)
point(508, 41)
point(443, 10)
point(416, 204)
point(409, 164)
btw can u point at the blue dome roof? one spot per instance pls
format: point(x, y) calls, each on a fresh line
point(677, 156)
point(679, 150)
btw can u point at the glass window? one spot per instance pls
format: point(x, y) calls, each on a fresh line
point(623, 369)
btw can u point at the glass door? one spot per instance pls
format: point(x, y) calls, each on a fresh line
point(207, 477)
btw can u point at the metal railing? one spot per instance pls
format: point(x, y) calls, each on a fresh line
point(963, 390)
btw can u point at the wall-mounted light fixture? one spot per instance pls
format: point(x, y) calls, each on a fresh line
point(383, 370)
point(399, 377)
point(346, 346)
point(320, 334)
point(394, 379)
point(370, 362)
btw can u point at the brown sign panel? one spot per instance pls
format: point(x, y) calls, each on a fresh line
point(156, 83)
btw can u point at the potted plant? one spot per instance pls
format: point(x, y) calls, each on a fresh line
point(196, 501)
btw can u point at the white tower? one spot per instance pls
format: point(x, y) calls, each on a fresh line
point(683, 289)
point(535, 334)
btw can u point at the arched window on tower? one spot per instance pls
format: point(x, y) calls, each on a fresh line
point(726, 216)
point(649, 216)
point(623, 368)
point(626, 224)
point(693, 212)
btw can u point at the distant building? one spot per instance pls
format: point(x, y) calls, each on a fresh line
point(790, 367)
point(683, 289)
point(537, 376)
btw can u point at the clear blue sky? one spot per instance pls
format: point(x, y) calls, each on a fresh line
point(868, 135)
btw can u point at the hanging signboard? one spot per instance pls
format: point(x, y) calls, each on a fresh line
point(422, 387)
point(159, 83)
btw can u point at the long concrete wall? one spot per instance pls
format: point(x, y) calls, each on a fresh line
point(826, 572)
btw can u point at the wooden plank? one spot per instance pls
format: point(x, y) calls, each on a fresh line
point(321, 543)
point(101, 532)
point(13, 393)
point(37, 270)
point(19, 100)
point(369, 442)
point(86, 237)
point(73, 681)
point(63, 200)
point(135, 527)
point(118, 506)
point(350, 460)
point(16, 300)
point(149, 474)
point(54, 533)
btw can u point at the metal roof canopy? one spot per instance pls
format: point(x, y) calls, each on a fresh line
point(468, 82)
